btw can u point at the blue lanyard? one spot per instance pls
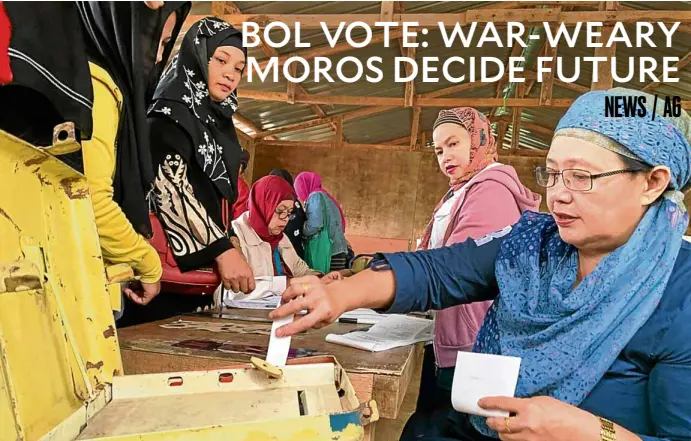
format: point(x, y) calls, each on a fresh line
point(277, 263)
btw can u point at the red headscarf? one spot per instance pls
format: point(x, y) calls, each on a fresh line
point(483, 152)
point(265, 196)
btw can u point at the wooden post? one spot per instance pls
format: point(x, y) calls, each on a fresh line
point(548, 78)
point(339, 132)
point(291, 85)
point(410, 85)
point(516, 113)
point(604, 80)
point(501, 133)
point(415, 127)
point(386, 11)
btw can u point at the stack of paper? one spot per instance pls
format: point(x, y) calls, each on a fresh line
point(266, 295)
point(391, 332)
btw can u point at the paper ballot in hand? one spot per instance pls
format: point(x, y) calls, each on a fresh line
point(277, 354)
point(265, 288)
point(483, 375)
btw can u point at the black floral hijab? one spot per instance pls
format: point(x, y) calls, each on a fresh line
point(183, 96)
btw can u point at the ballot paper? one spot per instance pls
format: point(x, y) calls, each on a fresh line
point(277, 354)
point(391, 332)
point(483, 375)
point(266, 294)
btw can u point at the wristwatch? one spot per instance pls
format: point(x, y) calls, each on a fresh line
point(607, 432)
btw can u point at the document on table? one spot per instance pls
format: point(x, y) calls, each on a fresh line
point(483, 375)
point(266, 295)
point(391, 332)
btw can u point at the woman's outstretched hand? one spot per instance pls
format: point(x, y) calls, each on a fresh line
point(308, 293)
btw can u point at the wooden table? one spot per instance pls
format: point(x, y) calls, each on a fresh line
point(384, 376)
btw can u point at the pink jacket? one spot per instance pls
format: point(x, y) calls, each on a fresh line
point(494, 199)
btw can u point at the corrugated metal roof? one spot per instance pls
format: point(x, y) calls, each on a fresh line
point(383, 127)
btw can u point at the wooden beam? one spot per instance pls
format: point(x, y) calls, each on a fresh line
point(218, 9)
point(410, 85)
point(415, 127)
point(605, 80)
point(679, 65)
point(398, 102)
point(339, 132)
point(516, 50)
point(246, 126)
point(548, 79)
point(532, 75)
point(463, 87)
point(516, 114)
point(231, 8)
point(386, 13)
point(290, 92)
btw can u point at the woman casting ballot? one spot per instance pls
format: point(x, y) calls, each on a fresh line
point(594, 297)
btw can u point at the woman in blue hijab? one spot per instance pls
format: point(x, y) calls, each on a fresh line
point(593, 297)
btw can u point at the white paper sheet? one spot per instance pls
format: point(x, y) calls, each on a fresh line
point(264, 296)
point(277, 353)
point(391, 332)
point(483, 375)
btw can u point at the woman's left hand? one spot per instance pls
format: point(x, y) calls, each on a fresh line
point(541, 419)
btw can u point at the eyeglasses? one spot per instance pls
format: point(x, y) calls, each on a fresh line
point(573, 178)
point(285, 215)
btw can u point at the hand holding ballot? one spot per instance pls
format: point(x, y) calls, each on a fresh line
point(540, 419)
point(325, 303)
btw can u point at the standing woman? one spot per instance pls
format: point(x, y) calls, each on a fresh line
point(297, 222)
point(124, 43)
point(196, 152)
point(484, 197)
point(324, 216)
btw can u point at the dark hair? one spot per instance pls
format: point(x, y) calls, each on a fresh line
point(634, 164)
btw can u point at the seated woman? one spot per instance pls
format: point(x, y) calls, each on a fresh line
point(260, 230)
point(323, 212)
point(594, 298)
point(196, 152)
point(297, 222)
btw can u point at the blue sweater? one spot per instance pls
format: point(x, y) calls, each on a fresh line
point(648, 388)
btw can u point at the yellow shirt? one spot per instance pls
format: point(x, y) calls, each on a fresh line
point(120, 243)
